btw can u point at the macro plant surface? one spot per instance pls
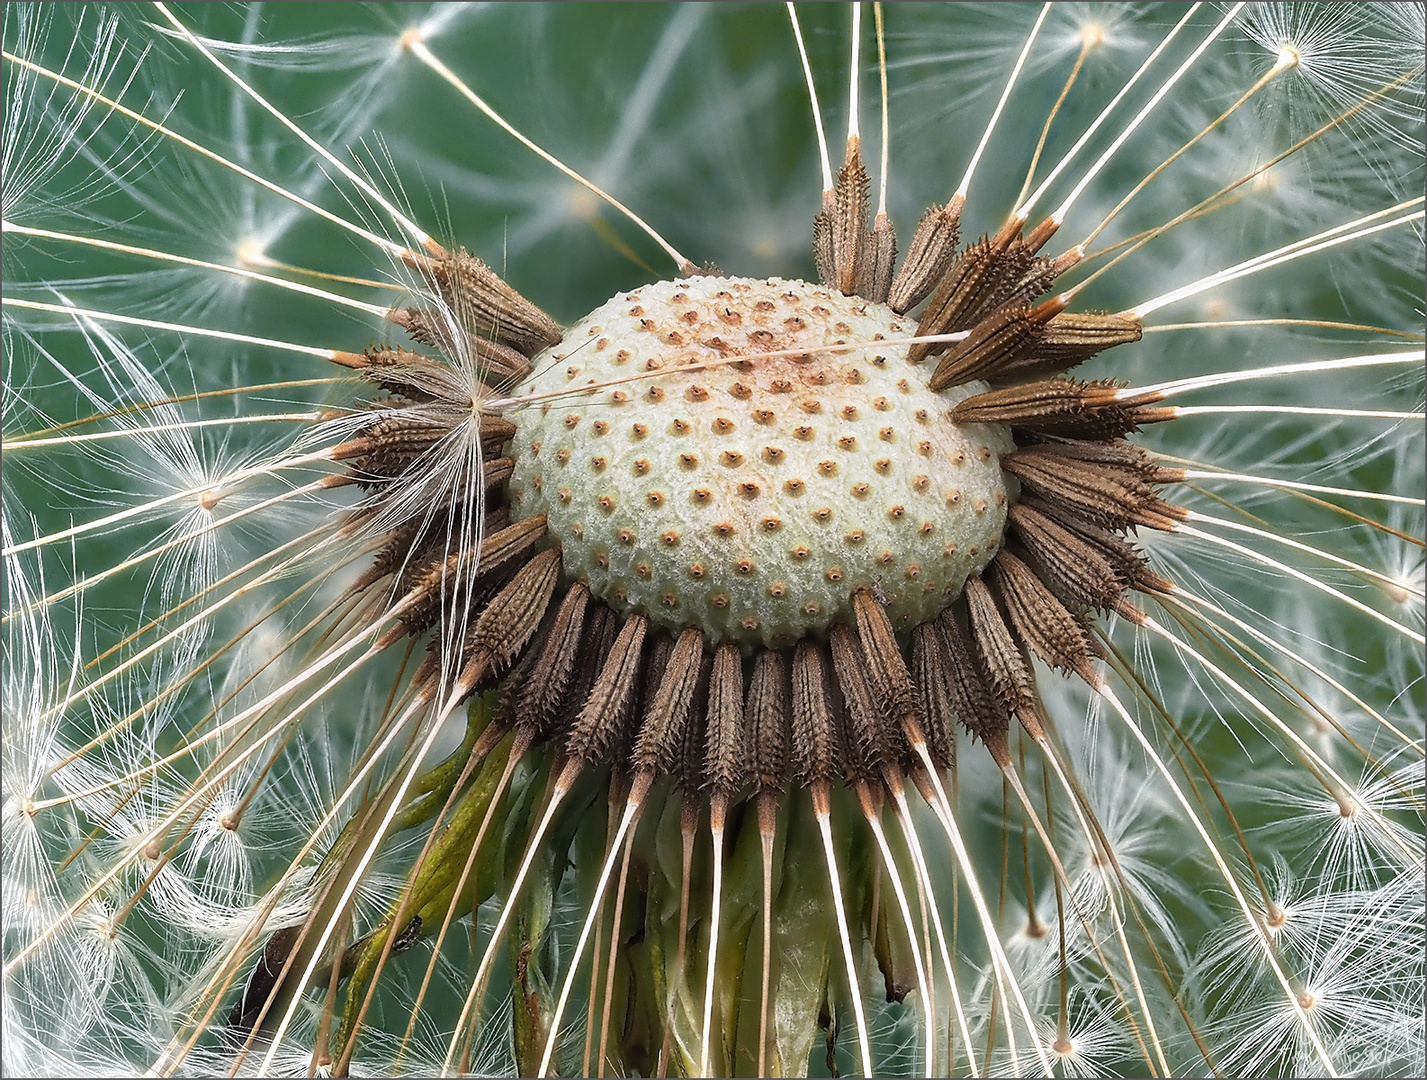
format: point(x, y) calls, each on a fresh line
point(519, 560)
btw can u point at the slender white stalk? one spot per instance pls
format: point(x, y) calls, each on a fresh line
point(854, 991)
point(418, 49)
point(904, 817)
point(277, 189)
point(177, 328)
point(886, 148)
point(715, 906)
point(1309, 549)
point(417, 233)
point(854, 69)
point(812, 97)
point(1225, 378)
point(901, 893)
point(1296, 410)
point(157, 429)
point(1342, 234)
point(1024, 211)
point(631, 811)
point(202, 264)
point(965, 186)
point(1259, 935)
point(1129, 130)
point(1298, 485)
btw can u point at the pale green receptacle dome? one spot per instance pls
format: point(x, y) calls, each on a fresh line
point(751, 499)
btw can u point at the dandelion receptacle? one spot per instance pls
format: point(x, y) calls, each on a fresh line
point(713, 540)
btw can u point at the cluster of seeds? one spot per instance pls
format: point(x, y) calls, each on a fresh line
point(751, 499)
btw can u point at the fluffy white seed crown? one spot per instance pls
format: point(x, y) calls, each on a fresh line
point(752, 499)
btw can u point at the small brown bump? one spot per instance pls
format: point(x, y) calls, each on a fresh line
point(681, 427)
point(749, 623)
point(771, 524)
point(670, 538)
point(535, 445)
point(812, 608)
point(924, 448)
point(606, 503)
point(886, 558)
point(641, 466)
point(622, 357)
point(636, 311)
point(780, 386)
point(952, 497)
point(847, 442)
point(764, 305)
point(598, 463)
point(690, 317)
point(896, 512)
point(602, 561)
point(811, 405)
point(862, 489)
point(572, 420)
point(904, 386)
point(563, 494)
point(833, 574)
point(881, 404)
point(794, 486)
point(801, 552)
point(803, 433)
point(601, 428)
point(719, 600)
point(764, 416)
point(819, 378)
point(602, 344)
point(922, 416)
point(655, 498)
point(696, 393)
point(571, 371)
point(537, 483)
point(643, 569)
point(638, 431)
point(562, 455)
point(679, 298)
point(883, 465)
point(928, 527)
point(669, 599)
point(729, 317)
point(885, 434)
point(577, 530)
point(621, 594)
point(795, 322)
point(625, 536)
point(823, 514)
point(984, 453)
point(654, 393)
point(724, 528)
point(744, 566)
point(980, 506)
point(920, 483)
point(731, 458)
point(697, 570)
point(772, 455)
point(913, 572)
point(827, 468)
point(777, 590)
point(856, 536)
point(702, 495)
point(722, 425)
point(749, 489)
point(742, 391)
point(1000, 498)
point(849, 412)
point(619, 397)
